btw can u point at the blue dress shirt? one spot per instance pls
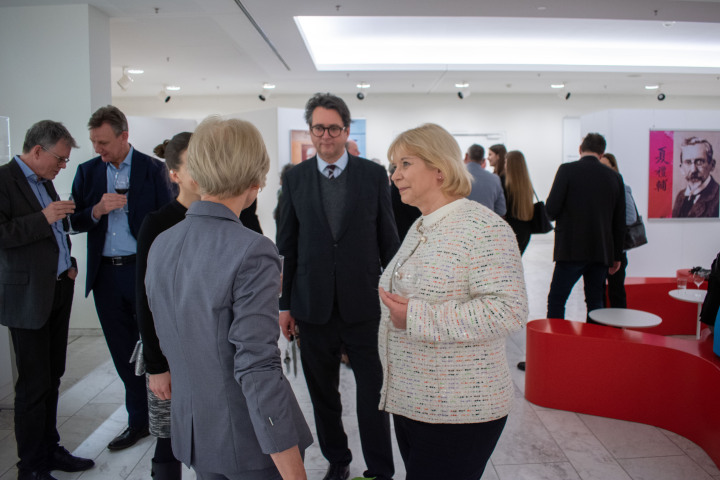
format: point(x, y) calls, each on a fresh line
point(119, 241)
point(340, 165)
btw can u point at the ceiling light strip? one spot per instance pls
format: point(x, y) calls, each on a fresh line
point(262, 33)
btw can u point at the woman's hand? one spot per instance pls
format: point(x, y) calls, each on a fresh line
point(160, 385)
point(398, 308)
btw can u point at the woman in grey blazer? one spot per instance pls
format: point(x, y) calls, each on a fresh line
point(212, 287)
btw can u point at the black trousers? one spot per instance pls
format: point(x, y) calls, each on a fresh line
point(616, 286)
point(566, 275)
point(114, 295)
point(40, 357)
point(320, 354)
point(433, 451)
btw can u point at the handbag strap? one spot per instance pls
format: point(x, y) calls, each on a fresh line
point(536, 197)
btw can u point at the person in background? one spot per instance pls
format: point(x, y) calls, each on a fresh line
point(519, 194)
point(486, 187)
point(616, 282)
point(451, 295)
point(212, 286)
point(38, 281)
point(283, 171)
point(352, 148)
point(496, 159)
point(249, 218)
point(164, 464)
point(112, 221)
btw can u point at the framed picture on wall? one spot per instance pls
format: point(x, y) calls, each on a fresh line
point(301, 147)
point(683, 180)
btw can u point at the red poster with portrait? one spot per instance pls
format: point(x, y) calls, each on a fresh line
point(683, 181)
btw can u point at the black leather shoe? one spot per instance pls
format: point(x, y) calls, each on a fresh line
point(128, 438)
point(337, 472)
point(521, 366)
point(62, 460)
point(28, 475)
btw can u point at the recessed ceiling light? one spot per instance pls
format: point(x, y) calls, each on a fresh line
point(462, 85)
point(557, 85)
point(172, 88)
point(652, 87)
point(135, 71)
point(268, 86)
point(363, 85)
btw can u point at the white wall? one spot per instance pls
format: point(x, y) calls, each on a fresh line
point(673, 243)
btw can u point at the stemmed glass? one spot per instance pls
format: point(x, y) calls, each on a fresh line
point(122, 185)
point(404, 280)
point(67, 196)
point(698, 279)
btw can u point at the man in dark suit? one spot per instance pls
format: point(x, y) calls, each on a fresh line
point(38, 279)
point(113, 221)
point(336, 231)
point(701, 196)
point(587, 202)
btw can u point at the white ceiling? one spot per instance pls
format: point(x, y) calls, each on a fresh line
point(211, 47)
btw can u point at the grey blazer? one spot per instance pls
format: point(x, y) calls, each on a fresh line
point(213, 286)
point(28, 252)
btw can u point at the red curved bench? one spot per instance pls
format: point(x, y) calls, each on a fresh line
point(650, 294)
point(640, 377)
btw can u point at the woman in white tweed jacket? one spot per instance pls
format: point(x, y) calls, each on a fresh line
point(454, 291)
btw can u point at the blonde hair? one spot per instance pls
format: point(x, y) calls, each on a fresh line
point(518, 185)
point(227, 157)
point(438, 149)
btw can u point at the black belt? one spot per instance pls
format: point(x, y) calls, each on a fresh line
point(119, 261)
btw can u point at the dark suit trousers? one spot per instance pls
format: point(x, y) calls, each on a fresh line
point(566, 275)
point(114, 295)
point(40, 358)
point(320, 354)
point(616, 286)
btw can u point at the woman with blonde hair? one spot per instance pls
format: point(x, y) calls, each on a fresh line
point(451, 295)
point(518, 197)
point(212, 286)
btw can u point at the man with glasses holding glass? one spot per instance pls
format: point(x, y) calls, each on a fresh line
point(701, 196)
point(113, 193)
point(37, 275)
point(336, 231)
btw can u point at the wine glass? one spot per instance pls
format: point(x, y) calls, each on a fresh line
point(405, 279)
point(67, 196)
point(698, 279)
point(122, 185)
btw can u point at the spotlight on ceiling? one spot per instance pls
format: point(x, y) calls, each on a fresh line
point(661, 97)
point(361, 93)
point(567, 96)
point(267, 89)
point(164, 94)
point(464, 91)
point(126, 80)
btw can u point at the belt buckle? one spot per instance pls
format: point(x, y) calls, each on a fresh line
point(116, 261)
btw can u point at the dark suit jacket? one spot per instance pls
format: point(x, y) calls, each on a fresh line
point(149, 190)
point(587, 202)
point(707, 205)
point(319, 270)
point(28, 252)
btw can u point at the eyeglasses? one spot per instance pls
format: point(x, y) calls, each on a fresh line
point(333, 130)
point(59, 158)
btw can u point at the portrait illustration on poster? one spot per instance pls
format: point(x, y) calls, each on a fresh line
point(683, 180)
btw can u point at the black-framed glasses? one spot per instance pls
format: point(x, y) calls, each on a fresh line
point(333, 130)
point(59, 158)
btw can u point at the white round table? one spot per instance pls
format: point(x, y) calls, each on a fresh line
point(691, 296)
point(625, 318)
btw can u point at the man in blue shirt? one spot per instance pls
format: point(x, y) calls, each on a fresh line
point(112, 218)
point(38, 279)
point(486, 187)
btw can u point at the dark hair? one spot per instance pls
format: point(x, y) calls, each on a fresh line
point(499, 150)
point(47, 134)
point(171, 149)
point(690, 141)
point(329, 101)
point(594, 143)
point(476, 153)
point(110, 115)
point(613, 161)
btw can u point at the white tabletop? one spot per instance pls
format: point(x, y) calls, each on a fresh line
point(689, 295)
point(625, 318)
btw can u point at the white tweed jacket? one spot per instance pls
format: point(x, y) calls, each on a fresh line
point(449, 365)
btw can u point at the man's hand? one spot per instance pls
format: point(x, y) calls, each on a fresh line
point(615, 267)
point(160, 385)
point(72, 273)
point(398, 308)
point(108, 203)
point(287, 324)
point(58, 210)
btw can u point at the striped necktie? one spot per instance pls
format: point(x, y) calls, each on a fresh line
point(331, 171)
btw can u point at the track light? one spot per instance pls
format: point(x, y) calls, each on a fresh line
point(126, 80)
point(361, 94)
point(267, 89)
point(661, 97)
point(164, 94)
point(464, 91)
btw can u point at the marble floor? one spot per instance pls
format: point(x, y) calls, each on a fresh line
point(537, 444)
